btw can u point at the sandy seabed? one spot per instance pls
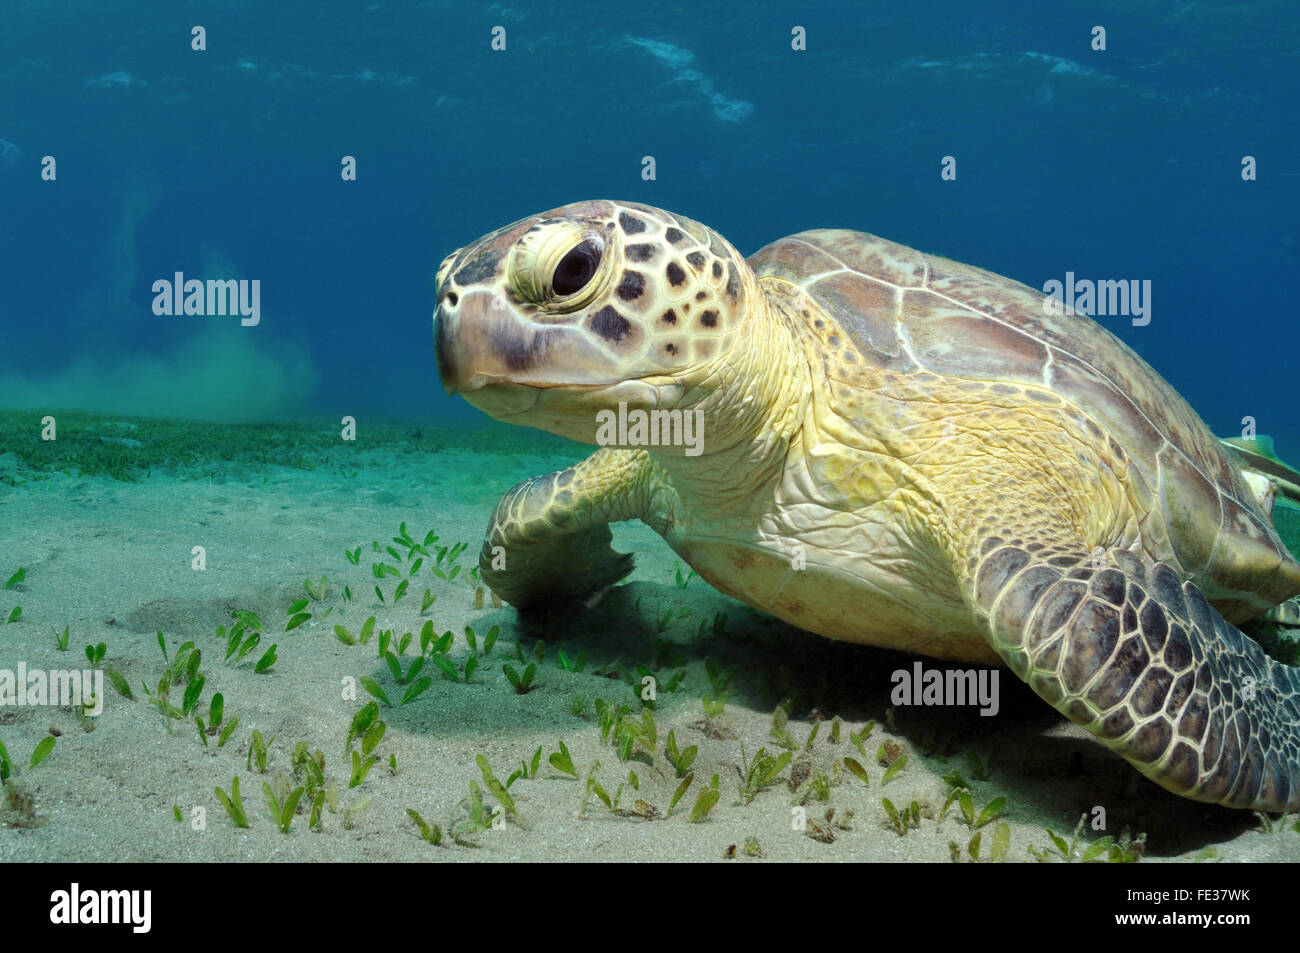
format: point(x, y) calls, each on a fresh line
point(113, 562)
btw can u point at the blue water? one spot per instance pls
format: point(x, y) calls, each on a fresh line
point(225, 164)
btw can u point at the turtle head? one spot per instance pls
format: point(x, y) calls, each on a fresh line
point(559, 316)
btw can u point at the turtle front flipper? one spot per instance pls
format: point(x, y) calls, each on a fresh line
point(548, 539)
point(1140, 658)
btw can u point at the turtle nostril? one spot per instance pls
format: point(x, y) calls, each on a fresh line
point(452, 298)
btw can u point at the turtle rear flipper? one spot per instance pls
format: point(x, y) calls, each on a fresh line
point(1256, 455)
point(1287, 613)
point(548, 540)
point(1141, 659)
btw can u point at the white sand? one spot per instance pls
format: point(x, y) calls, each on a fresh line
point(113, 562)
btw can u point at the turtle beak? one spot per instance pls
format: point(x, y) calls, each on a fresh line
point(450, 355)
point(470, 363)
point(478, 342)
point(482, 341)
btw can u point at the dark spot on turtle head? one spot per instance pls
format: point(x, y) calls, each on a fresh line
point(833, 340)
point(709, 319)
point(700, 296)
point(670, 316)
point(519, 351)
point(670, 348)
point(630, 288)
point(696, 259)
point(676, 276)
point(733, 281)
point(478, 270)
point(610, 325)
point(630, 224)
point(819, 323)
point(674, 235)
point(717, 269)
point(642, 251)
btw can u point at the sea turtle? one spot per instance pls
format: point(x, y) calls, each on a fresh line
point(897, 450)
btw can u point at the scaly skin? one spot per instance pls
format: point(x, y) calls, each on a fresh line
point(1114, 640)
point(1140, 659)
point(562, 520)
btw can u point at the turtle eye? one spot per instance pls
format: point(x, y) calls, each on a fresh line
point(575, 269)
